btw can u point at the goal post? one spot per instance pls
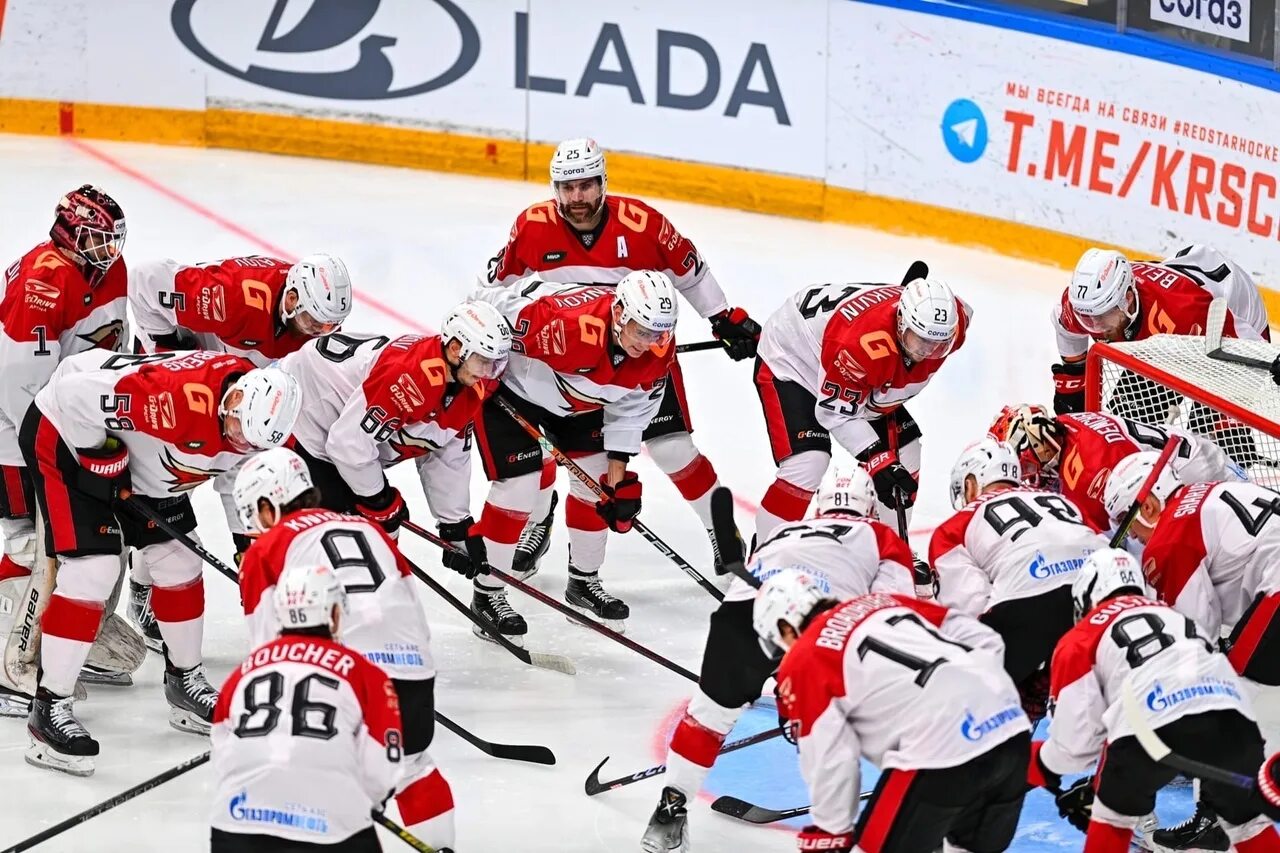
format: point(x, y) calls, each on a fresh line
point(1169, 380)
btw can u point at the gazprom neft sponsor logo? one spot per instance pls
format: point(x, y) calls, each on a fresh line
point(1160, 699)
point(764, 572)
point(293, 816)
point(975, 730)
point(1229, 18)
point(396, 654)
point(1040, 567)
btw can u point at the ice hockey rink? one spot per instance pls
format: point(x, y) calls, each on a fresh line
point(415, 243)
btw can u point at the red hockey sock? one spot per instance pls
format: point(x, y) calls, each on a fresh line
point(1106, 838)
point(1267, 841)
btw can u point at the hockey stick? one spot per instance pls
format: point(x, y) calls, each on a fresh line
point(728, 540)
point(400, 832)
point(594, 786)
point(918, 269)
point(891, 429)
point(1160, 752)
point(1213, 344)
point(699, 346)
point(575, 469)
point(557, 663)
point(141, 509)
point(106, 805)
point(751, 813)
point(514, 752)
point(534, 592)
point(1170, 447)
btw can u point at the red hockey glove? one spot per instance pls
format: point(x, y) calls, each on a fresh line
point(104, 471)
point(474, 561)
point(621, 502)
point(812, 838)
point(1068, 387)
point(386, 508)
point(891, 480)
point(737, 331)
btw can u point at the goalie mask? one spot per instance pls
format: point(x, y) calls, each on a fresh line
point(1036, 436)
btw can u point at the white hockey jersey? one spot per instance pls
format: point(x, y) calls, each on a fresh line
point(1173, 667)
point(632, 236)
point(1173, 298)
point(163, 407)
point(563, 359)
point(904, 683)
point(1009, 544)
point(386, 623)
point(231, 306)
point(1216, 546)
point(373, 401)
point(847, 556)
point(48, 311)
point(306, 742)
point(840, 342)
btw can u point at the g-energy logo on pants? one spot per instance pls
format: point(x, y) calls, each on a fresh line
point(334, 48)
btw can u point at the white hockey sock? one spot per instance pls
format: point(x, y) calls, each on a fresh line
point(690, 471)
point(697, 741)
point(69, 627)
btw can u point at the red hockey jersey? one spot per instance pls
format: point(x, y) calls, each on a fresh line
point(563, 358)
point(904, 683)
point(631, 236)
point(1174, 297)
point(840, 341)
point(231, 305)
point(306, 742)
point(163, 407)
point(49, 311)
point(1216, 546)
point(385, 624)
point(374, 401)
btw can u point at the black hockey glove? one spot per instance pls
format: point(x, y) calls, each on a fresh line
point(386, 509)
point(926, 580)
point(176, 341)
point(104, 471)
point(476, 558)
point(1075, 804)
point(1068, 387)
point(737, 331)
point(1275, 370)
point(891, 480)
point(621, 502)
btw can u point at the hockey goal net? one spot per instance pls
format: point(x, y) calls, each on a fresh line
point(1170, 380)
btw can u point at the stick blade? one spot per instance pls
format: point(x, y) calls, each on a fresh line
point(592, 786)
point(1214, 325)
point(918, 269)
point(728, 539)
point(742, 810)
point(555, 663)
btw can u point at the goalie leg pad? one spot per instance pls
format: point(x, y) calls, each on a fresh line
point(22, 645)
point(118, 648)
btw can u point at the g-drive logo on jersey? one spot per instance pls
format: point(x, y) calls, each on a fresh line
point(292, 815)
point(1160, 699)
point(1042, 569)
point(431, 48)
point(975, 730)
point(964, 130)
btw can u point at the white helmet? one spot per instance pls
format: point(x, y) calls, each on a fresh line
point(846, 488)
point(1104, 573)
point(928, 318)
point(1099, 291)
point(1126, 479)
point(305, 595)
point(576, 159)
point(323, 287)
point(788, 596)
point(483, 333)
point(987, 461)
point(649, 298)
point(268, 408)
point(277, 476)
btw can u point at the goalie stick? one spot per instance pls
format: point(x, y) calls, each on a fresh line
point(569, 612)
point(751, 813)
point(594, 786)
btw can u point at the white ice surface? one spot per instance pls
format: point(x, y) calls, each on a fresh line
point(415, 242)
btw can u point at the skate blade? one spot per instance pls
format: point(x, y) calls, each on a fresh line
point(186, 721)
point(110, 679)
point(658, 843)
point(14, 705)
point(514, 639)
point(42, 755)
point(525, 574)
point(618, 626)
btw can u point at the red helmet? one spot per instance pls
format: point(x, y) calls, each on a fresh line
point(89, 223)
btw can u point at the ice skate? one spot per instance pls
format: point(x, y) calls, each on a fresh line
point(1200, 832)
point(534, 540)
point(191, 699)
point(586, 594)
point(492, 606)
point(58, 740)
point(668, 829)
